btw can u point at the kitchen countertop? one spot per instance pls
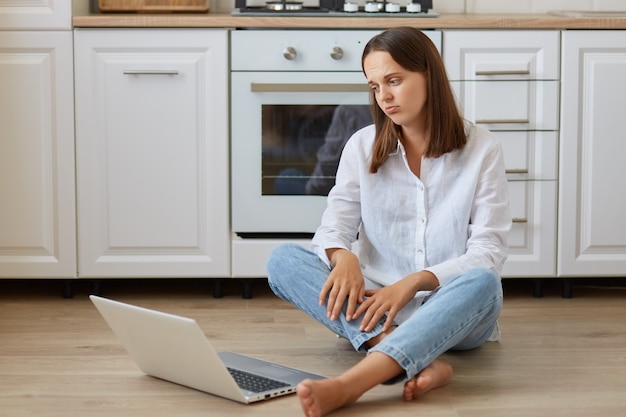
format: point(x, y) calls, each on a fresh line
point(445, 21)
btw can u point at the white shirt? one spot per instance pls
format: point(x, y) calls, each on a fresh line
point(453, 218)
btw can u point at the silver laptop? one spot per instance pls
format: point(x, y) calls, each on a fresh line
point(175, 349)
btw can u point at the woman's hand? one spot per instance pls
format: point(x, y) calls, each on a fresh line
point(345, 283)
point(391, 299)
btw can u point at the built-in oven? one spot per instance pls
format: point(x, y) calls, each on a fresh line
point(296, 97)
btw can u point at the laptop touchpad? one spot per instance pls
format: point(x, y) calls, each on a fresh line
point(274, 371)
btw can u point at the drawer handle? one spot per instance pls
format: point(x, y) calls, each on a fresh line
point(150, 72)
point(519, 220)
point(516, 171)
point(504, 72)
point(503, 121)
point(308, 88)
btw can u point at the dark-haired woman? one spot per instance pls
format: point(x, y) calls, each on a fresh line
point(426, 193)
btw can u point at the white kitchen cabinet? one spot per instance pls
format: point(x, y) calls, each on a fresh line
point(152, 153)
point(592, 194)
point(37, 207)
point(508, 82)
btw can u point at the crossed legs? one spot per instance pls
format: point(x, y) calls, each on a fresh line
point(461, 315)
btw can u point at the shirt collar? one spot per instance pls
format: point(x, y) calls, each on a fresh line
point(399, 149)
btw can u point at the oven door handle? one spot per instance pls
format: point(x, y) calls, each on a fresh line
point(308, 88)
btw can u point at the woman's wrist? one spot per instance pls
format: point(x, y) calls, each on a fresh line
point(335, 254)
point(424, 281)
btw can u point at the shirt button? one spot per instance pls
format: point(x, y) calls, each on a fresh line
point(422, 220)
point(419, 251)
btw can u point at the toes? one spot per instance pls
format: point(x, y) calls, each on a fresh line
point(409, 389)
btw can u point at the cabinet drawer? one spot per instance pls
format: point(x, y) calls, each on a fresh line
point(490, 55)
point(530, 155)
point(532, 247)
point(509, 105)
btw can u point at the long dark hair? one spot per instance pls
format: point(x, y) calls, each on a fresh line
point(414, 51)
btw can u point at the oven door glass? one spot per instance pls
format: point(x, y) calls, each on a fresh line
point(301, 145)
point(288, 131)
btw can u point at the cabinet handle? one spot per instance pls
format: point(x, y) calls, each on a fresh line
point(516, 171)
point(503, 72)
point(308, 88)
point(150, 72)
point(503, 121)
point(519, 220)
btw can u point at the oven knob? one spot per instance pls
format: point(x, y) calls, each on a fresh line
point(290, 53)
point(336, 53)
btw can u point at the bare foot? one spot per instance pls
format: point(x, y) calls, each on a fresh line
point(435, 375)
point(320, 397)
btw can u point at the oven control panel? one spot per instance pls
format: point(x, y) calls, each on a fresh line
point(302, 50)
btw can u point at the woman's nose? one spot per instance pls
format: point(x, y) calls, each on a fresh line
point(384, 93)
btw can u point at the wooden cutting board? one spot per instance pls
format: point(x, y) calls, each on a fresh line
point(153, 5)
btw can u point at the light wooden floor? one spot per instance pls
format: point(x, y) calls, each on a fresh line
point(558, 357)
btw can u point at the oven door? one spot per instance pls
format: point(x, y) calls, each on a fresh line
point(288, 129)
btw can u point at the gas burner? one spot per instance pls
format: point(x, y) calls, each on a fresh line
point(283, 6)
point(337, 8)
point(374, 6)
point(265, 11)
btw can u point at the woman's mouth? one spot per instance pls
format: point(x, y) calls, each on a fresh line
point(391, 109)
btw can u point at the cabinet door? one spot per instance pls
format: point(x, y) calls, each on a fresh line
point(36, 14)
point(592, 195)
point(37, 207)
point(152, 151)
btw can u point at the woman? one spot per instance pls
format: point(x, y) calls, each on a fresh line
point(427, 195)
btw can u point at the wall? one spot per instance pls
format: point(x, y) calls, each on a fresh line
point(536, 6)
point(83, 7)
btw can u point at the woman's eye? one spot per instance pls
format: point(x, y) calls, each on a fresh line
point(394, 81)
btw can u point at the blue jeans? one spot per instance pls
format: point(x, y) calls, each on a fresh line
point(459, 316)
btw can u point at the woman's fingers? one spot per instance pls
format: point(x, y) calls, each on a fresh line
point(336, 294)
point(371, 317)
point(354, 299)
point(324, 292)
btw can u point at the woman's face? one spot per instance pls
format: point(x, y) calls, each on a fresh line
point(400, 93)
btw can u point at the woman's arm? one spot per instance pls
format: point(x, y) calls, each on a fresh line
point(489, 223)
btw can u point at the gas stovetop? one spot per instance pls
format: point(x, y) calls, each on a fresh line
point(320, 12)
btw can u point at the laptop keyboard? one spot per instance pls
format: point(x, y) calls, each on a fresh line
point(255, 383)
